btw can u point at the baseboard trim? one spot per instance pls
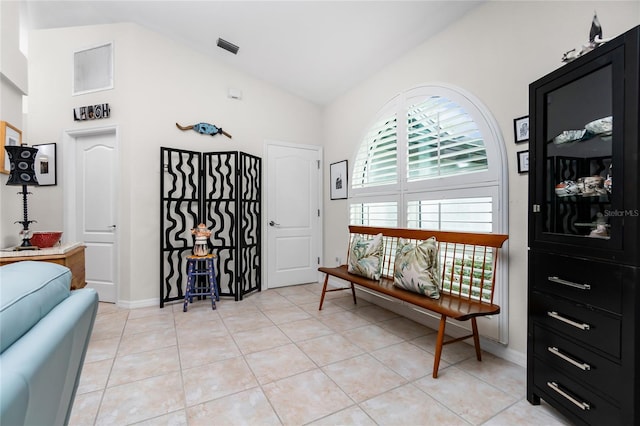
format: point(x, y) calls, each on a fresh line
point(145, 303)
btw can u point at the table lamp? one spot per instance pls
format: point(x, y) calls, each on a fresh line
point(22, 159)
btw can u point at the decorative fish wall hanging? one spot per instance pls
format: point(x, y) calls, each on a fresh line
point(205, 129)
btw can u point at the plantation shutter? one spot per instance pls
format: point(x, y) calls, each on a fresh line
point(384, 213)
point(377, 159)
point(461, 214)
point(443, 140)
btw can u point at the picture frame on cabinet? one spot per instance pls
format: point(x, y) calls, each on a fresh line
point(523, 162)
point(46, 164)
point(338, 180)
point(10, 136)
point(521, 129)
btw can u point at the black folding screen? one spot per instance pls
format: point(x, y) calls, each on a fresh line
point(222, 190)
point(231, 194)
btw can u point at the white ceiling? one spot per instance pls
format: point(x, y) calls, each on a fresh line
point(314, 49)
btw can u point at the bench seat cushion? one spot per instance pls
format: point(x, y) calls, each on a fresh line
point(451, 306)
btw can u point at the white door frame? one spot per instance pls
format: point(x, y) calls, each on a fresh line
point(69, 140)
point(265, 219)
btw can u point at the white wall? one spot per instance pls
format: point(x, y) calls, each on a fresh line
point(13, 84)
point(158, 82)
point(494, 52)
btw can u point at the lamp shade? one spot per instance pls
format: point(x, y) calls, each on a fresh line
point(22, 159)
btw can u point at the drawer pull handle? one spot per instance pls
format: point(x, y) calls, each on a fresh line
point(569, 283)
point(579, 404)
point(581, 365)
point(581, 326)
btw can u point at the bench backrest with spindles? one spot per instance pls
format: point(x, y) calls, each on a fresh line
point(467, 261)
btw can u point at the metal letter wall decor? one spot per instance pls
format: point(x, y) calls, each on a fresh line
point(223, 190)
point(91, 112)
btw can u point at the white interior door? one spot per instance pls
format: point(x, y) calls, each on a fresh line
point(95, 199)
point(293, 214)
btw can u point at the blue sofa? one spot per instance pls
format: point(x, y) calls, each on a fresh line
point(44, 333)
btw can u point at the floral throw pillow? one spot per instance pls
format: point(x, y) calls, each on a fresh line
point(416, 267)
point(365, 257)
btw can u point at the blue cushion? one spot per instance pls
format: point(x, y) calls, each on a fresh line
point(28, 291)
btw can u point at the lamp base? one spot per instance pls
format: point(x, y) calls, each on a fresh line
point(20, 248)
point(26, 243)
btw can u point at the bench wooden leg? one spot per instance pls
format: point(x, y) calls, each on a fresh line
point(439, 344)
point(324, 290)
point(353, 290)
point(476, 338)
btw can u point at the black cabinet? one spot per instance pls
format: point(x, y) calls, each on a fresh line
point(584, 234)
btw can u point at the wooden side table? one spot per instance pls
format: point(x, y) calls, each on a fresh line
point(70, 255)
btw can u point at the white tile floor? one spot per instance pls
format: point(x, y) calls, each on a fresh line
point(274, 359)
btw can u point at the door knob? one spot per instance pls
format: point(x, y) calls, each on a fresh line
point(272, 223)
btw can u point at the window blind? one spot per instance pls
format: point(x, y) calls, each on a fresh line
point(443, 140)
point(383, 213)
point(461, 214)
point(376, 162)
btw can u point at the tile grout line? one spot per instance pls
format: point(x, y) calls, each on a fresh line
point(297, 298)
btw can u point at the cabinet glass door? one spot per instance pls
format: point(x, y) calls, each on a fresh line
point(578, 156)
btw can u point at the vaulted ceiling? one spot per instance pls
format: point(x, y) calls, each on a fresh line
point(314, 49)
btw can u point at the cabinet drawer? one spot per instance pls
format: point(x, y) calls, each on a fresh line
point(577, 362)
point(589, 326)
point(557, 388)
point(595, 283)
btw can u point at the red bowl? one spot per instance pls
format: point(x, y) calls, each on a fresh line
point(45, 239)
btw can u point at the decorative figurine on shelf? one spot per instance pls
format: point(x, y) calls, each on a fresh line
point(600, 230)
point(608, 182)
point(595, 40)
point(205, 129)
point(201, 247)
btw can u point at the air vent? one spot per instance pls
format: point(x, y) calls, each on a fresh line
point(228, 46)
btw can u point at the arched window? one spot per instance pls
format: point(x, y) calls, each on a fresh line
point(434, 158)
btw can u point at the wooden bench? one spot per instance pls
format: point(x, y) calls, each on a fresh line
point(467, 270)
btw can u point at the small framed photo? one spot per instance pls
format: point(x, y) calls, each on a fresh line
point(339, 180)
point(521, 129)
point(523, 162)
point(46, 166)
point(9, 136)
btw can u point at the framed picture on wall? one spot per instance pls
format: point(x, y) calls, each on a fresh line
point(523, 162)
point(46, 164)
point(10, 136)
point(339, 180)
point(521, 129)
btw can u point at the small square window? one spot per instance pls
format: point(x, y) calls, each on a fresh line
point(93, 69)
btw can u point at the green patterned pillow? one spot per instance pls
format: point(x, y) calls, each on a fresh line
point(416, 267)
point(365, 257)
